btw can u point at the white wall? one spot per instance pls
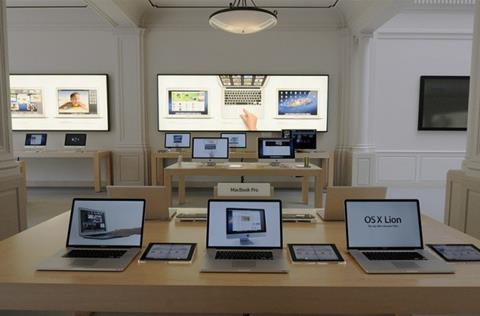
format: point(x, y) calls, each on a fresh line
point(410, 45)
point(72, 41)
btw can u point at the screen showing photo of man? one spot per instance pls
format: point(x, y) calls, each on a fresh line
point(297, 102)
point(77, 101)
point(26, 101)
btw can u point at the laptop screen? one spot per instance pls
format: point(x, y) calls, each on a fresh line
point(383, 224)
point(244, 224)
point(106, 223)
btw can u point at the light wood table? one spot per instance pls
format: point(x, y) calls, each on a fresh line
point(246, 169)
point(180, 288)
point(158, 162)
point(96, 155)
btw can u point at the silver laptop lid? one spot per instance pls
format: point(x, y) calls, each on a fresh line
point(106, 223)
point(383, 224)
point(244, 224)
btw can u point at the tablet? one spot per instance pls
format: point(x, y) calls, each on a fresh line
point(314, 253)
point(169, 252)
point(457, 252)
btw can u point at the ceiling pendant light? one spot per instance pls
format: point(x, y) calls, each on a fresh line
point(239, 18)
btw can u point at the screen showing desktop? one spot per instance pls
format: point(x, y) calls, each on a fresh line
point(387, 223)
point(210, 148)
point(36, 140)
point(235, 140)
point(275, 148)
point(242, 102)
point(177, 140)
point(75, 140)
point(244, 224)
point(302, 138)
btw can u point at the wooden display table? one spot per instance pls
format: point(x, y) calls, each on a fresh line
point(96, 155)
point(242, 169)
point(158, 164)
point(180, 288)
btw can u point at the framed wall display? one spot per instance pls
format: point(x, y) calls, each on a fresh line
point(59, 102)
point(443, 103)
point(242, 102)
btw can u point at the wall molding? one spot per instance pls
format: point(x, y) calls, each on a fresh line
point(425, 34)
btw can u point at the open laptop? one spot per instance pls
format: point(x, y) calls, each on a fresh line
point(157, 199)
point(385, 236)
point(75, 141)
point(35, 141)
point(244, 236)
point(103, 235)
point(336, 196)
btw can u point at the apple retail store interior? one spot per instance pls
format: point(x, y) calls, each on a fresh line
point(239, 157)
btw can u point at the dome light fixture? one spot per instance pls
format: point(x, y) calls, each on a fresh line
point(239, 18)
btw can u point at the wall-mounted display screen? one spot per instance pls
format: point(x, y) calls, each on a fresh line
point(59, 102)
point(443, 102)
point(242, 102)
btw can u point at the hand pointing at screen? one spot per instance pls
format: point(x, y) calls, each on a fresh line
point(249, 119)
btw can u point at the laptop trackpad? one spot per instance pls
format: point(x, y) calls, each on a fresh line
point(243, 264)
point(83, 262)
point(406, 265)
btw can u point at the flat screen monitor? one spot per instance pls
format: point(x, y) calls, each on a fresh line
point(177, 140)
point(443, 102)
point(235, 140)
point(75, 140)
point(276, 149)
point(59, 102)
point(36, 140)
point(303, 139)
point(242, 102)
point(210, 149)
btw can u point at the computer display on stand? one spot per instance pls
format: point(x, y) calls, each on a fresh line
point(276, 150)
point(210, 149)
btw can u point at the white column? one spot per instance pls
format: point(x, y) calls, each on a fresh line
point(130, 162)
point(361, 129)
point(12, 187)
point(471, 164)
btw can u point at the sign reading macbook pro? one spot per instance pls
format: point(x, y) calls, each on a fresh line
point(385, 236)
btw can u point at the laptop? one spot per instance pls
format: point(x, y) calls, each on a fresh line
point(75, 141)
point(336, 196)
point(385, 236)
point(244, 236)
point(157, 199)
point(36, 141)
point(103, 235)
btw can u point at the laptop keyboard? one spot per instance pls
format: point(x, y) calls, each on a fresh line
point(400, 255)
point(244, 255)
point(243, 97)
point(87, 253)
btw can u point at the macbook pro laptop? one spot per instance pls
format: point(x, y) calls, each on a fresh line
point(103, 235)
point(244, 236)
point(385, 236)
point(336, 196)
point(243, 92)
point(75, 141)
point(157, 199)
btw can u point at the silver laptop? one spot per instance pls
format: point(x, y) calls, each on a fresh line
point(103, 235)
point(385, 236)
point(244, 236)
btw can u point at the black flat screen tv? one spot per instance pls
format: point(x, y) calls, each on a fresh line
point(443, 103)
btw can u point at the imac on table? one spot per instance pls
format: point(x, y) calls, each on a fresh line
point(303, 139)
point(177, 140)
point(276, 150)
point(36, 140)
point(235, 140)
point(210, 149)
